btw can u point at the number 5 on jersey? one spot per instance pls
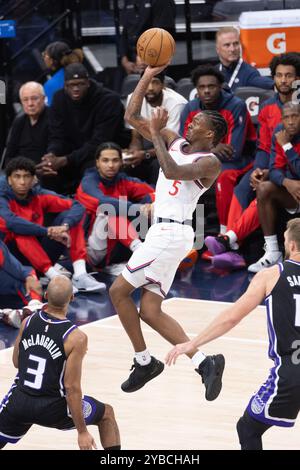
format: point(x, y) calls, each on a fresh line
point(175, 188)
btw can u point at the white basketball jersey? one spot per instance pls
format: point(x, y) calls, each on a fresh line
point(176, 199)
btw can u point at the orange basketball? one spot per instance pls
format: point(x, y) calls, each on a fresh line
point(155, 46)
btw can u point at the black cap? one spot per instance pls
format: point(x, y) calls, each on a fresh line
point(75, 71)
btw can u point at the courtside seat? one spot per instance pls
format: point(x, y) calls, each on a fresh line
point(184, 87)
point(253, 98)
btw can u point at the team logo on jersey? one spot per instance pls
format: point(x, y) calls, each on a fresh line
point(252, 103)
point(257, 405)
point(86, 408)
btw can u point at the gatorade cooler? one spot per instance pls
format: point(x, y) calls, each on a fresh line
point(268, 33)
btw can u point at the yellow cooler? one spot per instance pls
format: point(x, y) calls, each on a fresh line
point(268, 33)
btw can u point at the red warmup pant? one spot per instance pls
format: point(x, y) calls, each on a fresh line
point(120, 230)
point(242, 222)
point(31, 248)
point(224, 191)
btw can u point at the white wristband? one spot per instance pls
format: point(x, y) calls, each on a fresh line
point(287, 146)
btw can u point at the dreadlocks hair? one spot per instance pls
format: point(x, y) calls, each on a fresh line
point(218, 124)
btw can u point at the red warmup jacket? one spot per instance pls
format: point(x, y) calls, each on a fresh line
point(268, 118)
point(26, 216)
point(121, 192)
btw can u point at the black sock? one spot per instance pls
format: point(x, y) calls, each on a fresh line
point(113, 448)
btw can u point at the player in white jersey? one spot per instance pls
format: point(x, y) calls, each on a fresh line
point(188, 169)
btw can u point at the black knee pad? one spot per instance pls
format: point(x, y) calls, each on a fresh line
point(250, 431)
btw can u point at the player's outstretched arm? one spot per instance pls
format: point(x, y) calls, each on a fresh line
point(72, 382)
point(133, 111)
point(227, 319)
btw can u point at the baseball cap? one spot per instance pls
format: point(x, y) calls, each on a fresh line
point(75, 71)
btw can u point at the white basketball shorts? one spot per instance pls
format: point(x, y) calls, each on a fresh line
point(154, 264)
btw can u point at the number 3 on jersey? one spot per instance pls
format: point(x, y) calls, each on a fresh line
point(38, 373)
point(175, 188)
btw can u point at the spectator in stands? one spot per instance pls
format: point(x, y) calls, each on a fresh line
point(138, 16)
point(23, 207)
point(82, 116)
point(283, 189)
point(29, 132)
point(57, 56)
point(243, 216)
point(236, 71)
point(16, 279)
point(106, 185)
point(236, 150)
point(142, 162)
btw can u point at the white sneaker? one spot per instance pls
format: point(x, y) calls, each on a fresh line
point(114, 269)
point(87, 283)
point(11, 317)
point(34, 305)
point(62, 270)
point(269, 259)
point(75, 290)
point(14, 317)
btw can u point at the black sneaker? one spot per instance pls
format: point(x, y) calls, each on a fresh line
point(142, 374)
point(211, 371)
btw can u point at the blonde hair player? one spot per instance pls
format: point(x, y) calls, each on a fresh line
point(277, 402)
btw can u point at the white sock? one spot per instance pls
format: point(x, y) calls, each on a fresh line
point(143, 358)
point(222, 229)
point(271, 243)
point(79, 267)
point(197, 358)
point(51, 273)
point(135, 244)
point(98, 237)
point(232, 239)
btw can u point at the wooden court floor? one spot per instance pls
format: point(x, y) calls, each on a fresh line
point(170, 412)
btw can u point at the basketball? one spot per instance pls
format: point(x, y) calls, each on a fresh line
point(189, 261)
point(155, 47)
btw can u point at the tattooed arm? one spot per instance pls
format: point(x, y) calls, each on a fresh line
point(133, 111)
point(207, 169)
